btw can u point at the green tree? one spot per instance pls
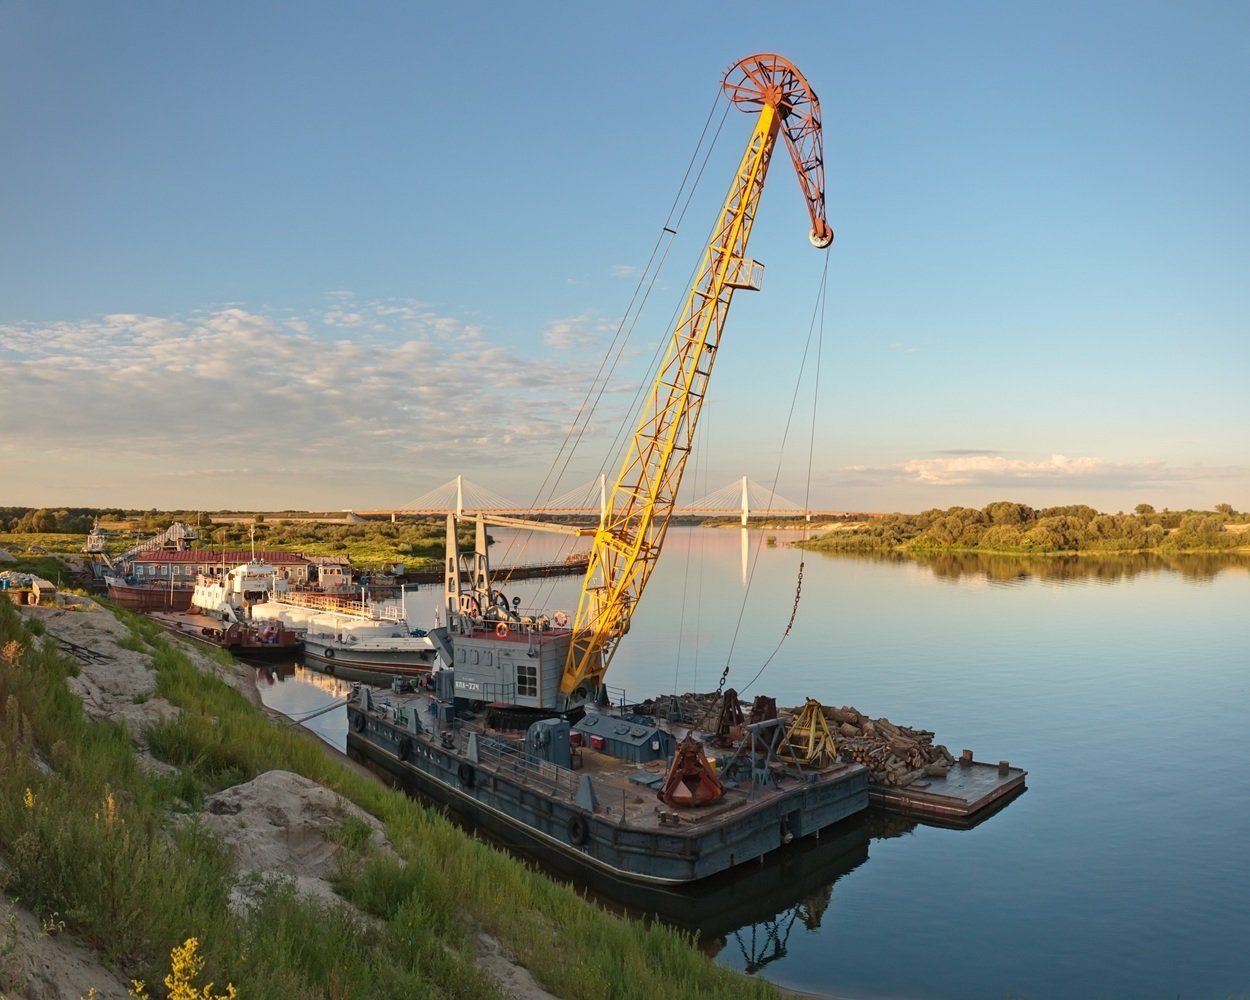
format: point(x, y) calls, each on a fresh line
point(1006, 512)
point(1002, 538)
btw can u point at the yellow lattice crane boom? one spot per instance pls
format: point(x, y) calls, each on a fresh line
point(637, 515)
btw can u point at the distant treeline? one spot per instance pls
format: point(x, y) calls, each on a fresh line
point(1010, 527)
point(417, 543)
point(1003, 526)
point(79, 520)
point(38, 521)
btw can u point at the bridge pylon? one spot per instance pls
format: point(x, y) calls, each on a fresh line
point(745, 498)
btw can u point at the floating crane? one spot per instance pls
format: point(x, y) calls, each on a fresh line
point(640, 507)
point(563, 667)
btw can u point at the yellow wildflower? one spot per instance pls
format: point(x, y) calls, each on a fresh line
point(184, 965)
point(110, 811)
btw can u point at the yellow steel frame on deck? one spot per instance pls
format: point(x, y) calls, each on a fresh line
point(809, 740)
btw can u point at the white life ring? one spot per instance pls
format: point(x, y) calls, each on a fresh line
point(501, 630)
point(560, 618)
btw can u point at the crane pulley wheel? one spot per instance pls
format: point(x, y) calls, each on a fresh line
point(770, 79)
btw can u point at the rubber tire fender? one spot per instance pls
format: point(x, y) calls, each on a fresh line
point(579, 830)
point(358, 722)
point(404, 750)
point(465, 773)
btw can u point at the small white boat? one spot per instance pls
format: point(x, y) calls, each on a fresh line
point(356, 640)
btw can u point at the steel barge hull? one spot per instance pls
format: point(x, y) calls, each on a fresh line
point(604, 818)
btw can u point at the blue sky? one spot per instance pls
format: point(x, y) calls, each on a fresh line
point(323, 256)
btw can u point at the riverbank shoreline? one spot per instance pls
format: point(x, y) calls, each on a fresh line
point(116, 684)
point(57, 965)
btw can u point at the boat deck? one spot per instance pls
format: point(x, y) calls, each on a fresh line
point(626, 790)
point(632, 789)
point(969, 790)
point(186, 621)
point(213, 632)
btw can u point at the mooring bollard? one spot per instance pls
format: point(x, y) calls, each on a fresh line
point(1003, 767)
point(965, 758)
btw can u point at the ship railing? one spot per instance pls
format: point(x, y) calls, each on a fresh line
point(357, 609)
point(554, 779)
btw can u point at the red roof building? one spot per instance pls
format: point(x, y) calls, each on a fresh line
point(189, 563)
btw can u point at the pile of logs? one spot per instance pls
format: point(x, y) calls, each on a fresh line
point(895, 755)
point(692, 708)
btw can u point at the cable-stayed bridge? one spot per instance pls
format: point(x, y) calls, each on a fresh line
point(743, 497)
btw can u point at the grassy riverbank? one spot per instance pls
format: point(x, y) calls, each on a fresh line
point(91, 839)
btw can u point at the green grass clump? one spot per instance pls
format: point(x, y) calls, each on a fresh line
point(120, 856)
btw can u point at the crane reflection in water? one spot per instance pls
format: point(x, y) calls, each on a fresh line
point(766, 941)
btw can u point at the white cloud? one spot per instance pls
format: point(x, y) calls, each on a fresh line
point(233, 407)
point(992, 471)
point(576, 333)
point(962, 469)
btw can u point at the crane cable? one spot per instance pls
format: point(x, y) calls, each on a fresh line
point(625, 431)
point(693, 559)
point(648, 278)
point(629, 320)
point(816, 328)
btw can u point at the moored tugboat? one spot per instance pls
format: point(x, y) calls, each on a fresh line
point(221, 615)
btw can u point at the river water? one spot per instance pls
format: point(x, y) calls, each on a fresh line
point(1121, 686)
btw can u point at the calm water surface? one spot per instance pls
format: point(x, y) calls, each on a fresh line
point(1123, 690)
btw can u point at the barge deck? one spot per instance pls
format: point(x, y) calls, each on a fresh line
point(257, 640)
point(969, 792)
point(601, 815)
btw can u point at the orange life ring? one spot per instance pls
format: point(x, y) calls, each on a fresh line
point(501, 630)
point(560, 618)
